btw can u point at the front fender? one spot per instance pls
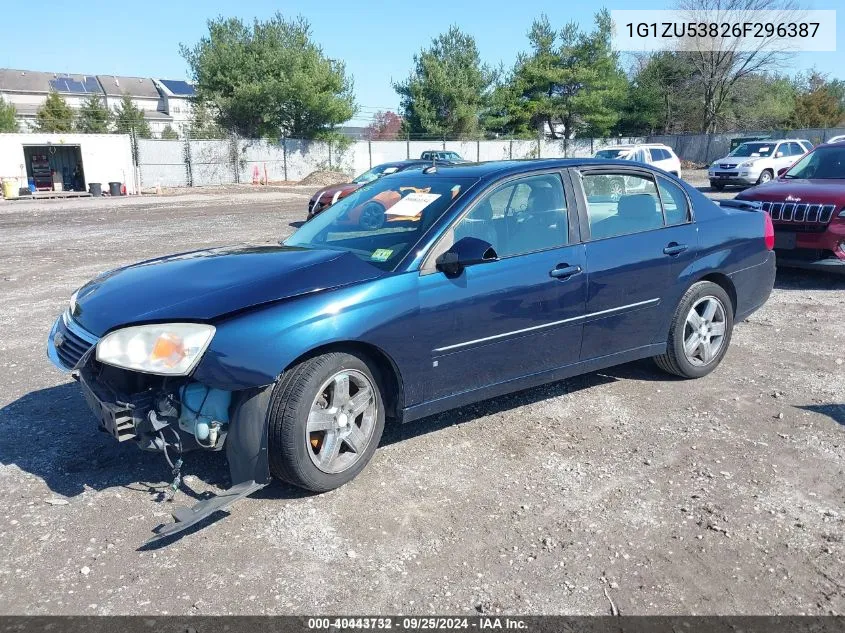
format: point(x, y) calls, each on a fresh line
point(252, 349)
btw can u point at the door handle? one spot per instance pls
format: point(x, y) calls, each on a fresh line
point(562, 271)
point(673, 248)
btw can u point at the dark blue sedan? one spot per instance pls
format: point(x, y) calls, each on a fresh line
point(476, 281)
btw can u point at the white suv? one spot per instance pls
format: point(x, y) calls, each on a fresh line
point(756, 162)
point(661, 156)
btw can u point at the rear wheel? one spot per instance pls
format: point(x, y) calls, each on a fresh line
point(700, 332)
point(326, 420)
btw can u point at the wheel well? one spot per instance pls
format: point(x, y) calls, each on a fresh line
point(393, 390)
point(727, 285)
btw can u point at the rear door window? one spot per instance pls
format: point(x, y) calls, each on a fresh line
point(675, 205)
point(621, 204)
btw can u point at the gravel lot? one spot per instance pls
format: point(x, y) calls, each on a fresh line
point(717, 496)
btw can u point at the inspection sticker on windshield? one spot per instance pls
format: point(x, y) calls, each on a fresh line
point(381, 254)
point(412, 205)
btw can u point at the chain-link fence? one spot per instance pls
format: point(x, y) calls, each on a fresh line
point(200, 162)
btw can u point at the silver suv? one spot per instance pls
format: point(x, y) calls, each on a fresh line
point(756, 162)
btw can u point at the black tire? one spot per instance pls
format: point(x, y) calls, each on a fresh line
point(718, 186)
point(675, 360)
point(290, 405)
point(372, 216)
point(766, 176)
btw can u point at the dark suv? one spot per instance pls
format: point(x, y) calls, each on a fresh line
point(807, 205)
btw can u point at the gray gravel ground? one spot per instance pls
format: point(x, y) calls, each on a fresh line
point(717, 496)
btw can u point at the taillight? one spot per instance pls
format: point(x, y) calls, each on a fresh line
point(769, 232)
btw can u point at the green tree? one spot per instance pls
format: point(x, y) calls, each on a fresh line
point(54, 115)
point(94, 117)
point(269, 78)
point(169, 133)
point(203, 124)
point(447, 90)
point(818, 104)
point(762, 102)
point(571, 79)
point(128, 119)
point(8, 120)
point(662, 98)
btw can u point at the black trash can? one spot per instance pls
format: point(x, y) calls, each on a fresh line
point(95, 189)
point(114, 188)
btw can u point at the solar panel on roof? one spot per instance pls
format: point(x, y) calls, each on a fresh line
point(178, 87)
point(91, 84)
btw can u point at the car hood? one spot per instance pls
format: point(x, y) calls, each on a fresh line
point(328, 192)
point(798, 190)
point(203, 285)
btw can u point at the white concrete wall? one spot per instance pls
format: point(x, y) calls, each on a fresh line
point(105, 157)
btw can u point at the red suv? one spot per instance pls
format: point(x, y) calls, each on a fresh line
point(807, 206)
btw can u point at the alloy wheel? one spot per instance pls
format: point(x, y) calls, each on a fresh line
point(704, 331)
point(341, 421)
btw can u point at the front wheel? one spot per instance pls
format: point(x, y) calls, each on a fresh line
point(326, 420)
point(765, 177)
point(700, 332)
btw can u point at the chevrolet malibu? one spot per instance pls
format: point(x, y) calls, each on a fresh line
point(482, 280)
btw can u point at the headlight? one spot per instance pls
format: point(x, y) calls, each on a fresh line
point(168, 349)
point(73, 300)
point(747, 163)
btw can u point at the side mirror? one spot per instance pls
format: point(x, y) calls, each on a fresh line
point(779, 155)
point(467, 251)
point(782, 171)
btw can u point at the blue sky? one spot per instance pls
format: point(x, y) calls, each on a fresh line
point(376, 38)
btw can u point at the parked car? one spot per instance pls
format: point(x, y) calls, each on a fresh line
point(494, 277)
point(756, 162)
point(442, 156)
point(836, 139)
point(661, 156)
point(807, 205)
point(327, 196)
point(736, 142)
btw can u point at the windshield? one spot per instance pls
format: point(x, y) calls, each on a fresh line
point(382, 221)
point(824, 163)
point(753, 149)
point(376, 172)
point(612, 153)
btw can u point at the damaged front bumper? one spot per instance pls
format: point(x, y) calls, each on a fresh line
point(158, 414)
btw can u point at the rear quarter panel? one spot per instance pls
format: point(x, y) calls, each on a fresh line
point(731, 242)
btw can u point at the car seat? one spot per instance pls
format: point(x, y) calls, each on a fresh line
point(634, 213)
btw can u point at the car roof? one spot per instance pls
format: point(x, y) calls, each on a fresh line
point(630, 145)
point(499, 168)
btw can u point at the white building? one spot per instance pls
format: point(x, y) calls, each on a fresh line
point(145, 96)
point(164, 102)
point(27, 90)
point(72, 160)
point(178, 102)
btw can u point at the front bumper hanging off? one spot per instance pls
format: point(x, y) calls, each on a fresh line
point(132, 416)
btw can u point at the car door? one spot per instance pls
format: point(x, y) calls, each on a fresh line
point(782, 157)
point(635, 251)
point(519, 314)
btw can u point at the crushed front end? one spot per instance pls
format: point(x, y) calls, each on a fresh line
point(171, 415)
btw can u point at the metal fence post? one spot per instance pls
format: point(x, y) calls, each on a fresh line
point(370, 150)
point(285, 156)
point(186, 157)
point(510, 149)
point(477, 150)
point(408, 146)
point(330, 154)
point(233, 156)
